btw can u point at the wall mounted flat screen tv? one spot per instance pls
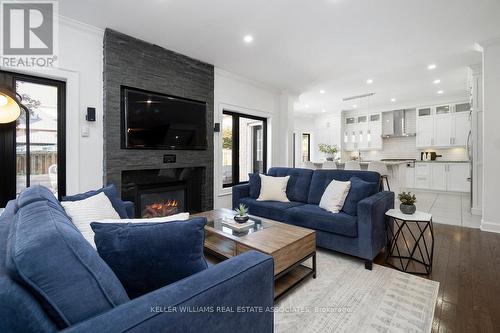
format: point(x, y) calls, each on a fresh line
point(156, 121)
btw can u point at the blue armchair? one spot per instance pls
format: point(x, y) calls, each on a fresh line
point(212, 300)
point(358, 230)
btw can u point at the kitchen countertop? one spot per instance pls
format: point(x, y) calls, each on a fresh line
point(442, 161)
point(388, 163)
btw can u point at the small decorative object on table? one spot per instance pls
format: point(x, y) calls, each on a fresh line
point(328, 150)
point(407, 203)
point(241, 214)
point(238, 226)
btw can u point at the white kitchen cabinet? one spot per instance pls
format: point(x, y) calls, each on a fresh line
point(443, 130)
point(438, 176)
point(363, 132)
point(422, 175)
point(461, 124)
point(425, 131)
point(457, 177)
point(451, 177)
point(410, 177)
point(374, 135)
point(350, 142)
point(447, 126)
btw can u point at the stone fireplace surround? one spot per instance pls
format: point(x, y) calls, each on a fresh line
point(135, 63)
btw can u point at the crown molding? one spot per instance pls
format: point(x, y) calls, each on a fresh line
point(64, 20)
point(480, 46)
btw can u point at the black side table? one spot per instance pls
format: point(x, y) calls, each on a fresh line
point(410, 238)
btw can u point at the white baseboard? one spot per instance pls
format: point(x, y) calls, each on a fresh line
point(490, 226)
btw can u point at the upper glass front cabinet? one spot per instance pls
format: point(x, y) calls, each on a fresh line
point(424, 112)
point(462, 107)
point(443, 109)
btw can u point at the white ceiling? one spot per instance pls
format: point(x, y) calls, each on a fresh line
point(307, 45)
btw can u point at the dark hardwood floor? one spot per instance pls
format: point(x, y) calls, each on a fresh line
point(467, 267)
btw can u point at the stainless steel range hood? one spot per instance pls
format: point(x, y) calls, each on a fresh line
point(397, 123)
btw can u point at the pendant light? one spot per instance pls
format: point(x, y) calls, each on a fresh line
point(10, 106)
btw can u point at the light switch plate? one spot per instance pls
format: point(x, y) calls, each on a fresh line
point(85, 131)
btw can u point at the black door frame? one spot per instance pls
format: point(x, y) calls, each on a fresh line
point(8, 136)
point(236, 144)
point(308, 135)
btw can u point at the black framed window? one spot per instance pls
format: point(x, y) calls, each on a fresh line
point(306, 147)
point(34, 147)
point(244, 147)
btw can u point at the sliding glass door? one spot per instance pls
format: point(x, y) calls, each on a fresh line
point(38, 153)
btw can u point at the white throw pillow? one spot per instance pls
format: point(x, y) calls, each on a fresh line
point(175, 217)
point(83, 212)
point(334, 197)
point(273, 188)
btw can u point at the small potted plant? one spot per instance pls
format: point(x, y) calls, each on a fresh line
point(407, 202)
point(328, 150)
point(241, 214)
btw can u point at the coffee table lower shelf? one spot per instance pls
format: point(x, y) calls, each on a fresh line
point(284, 281)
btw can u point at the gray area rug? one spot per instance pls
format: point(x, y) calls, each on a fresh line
point(345, 297)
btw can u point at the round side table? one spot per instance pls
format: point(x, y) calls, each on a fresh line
point(410, 239)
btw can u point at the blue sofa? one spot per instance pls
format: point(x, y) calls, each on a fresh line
point(93, 299)
point(361, 232)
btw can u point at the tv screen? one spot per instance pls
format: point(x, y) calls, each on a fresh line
point(157, 121)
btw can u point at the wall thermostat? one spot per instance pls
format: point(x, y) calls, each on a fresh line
point(90, 114)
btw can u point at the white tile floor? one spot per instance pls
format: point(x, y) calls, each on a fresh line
point(447, 208)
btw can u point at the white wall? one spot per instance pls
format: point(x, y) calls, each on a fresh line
point(80, 66)
point(491, 135)
point(235, 93)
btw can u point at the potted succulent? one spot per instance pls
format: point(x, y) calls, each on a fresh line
point(241, 214)
point(328, 150)
point(407, 202)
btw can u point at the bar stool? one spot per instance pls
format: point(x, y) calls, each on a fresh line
point(352, 165)
point(329, 165)
point(381, 168)
point(309, 165)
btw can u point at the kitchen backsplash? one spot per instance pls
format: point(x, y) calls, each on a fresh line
point(405, 148)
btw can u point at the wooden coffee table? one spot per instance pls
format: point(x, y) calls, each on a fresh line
point(290, 246)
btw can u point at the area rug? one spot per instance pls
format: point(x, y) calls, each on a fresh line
point(345, 297)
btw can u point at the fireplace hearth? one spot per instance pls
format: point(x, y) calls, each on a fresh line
point(163, 192)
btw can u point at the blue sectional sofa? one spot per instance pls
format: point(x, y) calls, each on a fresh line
point(51, 279)
point(358, 230)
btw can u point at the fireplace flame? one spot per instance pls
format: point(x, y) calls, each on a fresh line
point(161, 209)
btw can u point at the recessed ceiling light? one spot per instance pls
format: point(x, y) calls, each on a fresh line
point(307, 106)
point(440, 92)
point(354, 106)
point(369, 81)
point(393, 99)
point(437, 81)
point(323, 110)
point(321, 91)
point(431, 66)
point(248, 38)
